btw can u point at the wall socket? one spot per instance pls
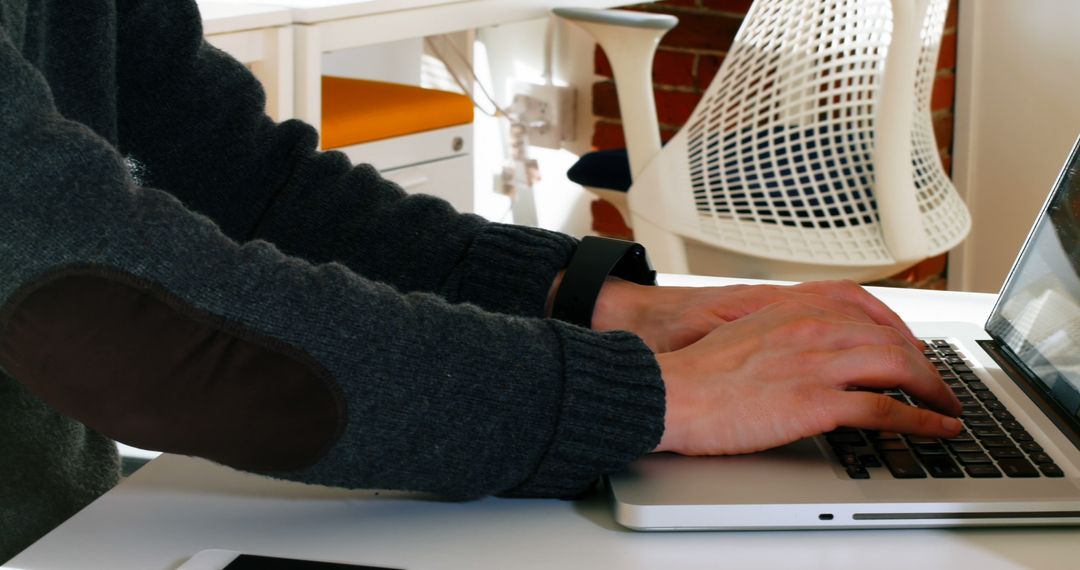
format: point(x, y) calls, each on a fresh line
point(547, 111)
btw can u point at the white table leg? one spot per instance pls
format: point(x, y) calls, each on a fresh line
point(307, 49)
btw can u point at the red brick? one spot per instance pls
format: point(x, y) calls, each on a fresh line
point(607, 221)
point(703, 31)
point(947, 57)
point(601, 65)
point(707, 67)
point(943, 130)
point(673, 68)
point(652, 6)
point(946, 164)
point(669, 67)
point(733, 6)
point(672, 107)
point(935, 266)
point(952, 16)
point(675, 107)
point(605, 101)
point(607, 135)
point(943, 93)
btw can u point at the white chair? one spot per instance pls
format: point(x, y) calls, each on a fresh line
point(812, 153)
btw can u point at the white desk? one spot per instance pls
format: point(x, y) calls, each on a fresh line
point(260, 36)
point(176, 506)
point(323, 26)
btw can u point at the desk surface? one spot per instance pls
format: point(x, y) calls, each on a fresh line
point(223, 17)
point(176, 506)
point(317, 11)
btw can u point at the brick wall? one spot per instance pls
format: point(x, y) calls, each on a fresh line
point(686, 62)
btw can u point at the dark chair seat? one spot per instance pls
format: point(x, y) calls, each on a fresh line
point(607, 169)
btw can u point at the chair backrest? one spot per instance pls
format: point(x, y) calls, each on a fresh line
point(814, 143)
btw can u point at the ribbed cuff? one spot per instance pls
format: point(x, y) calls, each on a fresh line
point(510, 269)
point(612, 411)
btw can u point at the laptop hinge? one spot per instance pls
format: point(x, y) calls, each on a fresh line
point(1068, 425)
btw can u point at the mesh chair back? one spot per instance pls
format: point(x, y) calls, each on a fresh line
point(780, 151)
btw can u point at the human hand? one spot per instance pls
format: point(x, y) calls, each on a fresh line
point(669, 318)
point(792, 370)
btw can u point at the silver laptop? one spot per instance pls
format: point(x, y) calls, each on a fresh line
point(1018, 463)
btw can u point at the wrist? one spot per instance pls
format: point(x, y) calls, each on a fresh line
point(594, 262)
point(618, 305)
point(669, 374)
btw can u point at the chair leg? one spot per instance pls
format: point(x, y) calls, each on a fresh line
point(667, 251)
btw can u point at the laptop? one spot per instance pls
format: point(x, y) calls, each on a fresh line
point(1017, 463)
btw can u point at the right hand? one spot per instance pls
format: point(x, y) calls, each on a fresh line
point(790, 370)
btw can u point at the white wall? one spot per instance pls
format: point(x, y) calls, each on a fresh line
point(517, 51)
point(1018, 113)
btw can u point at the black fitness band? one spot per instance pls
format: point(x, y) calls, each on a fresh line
point(594, 259)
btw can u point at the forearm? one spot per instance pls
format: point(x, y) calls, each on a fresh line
point(200, 133)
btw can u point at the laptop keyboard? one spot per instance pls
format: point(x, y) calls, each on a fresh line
point(993, 443)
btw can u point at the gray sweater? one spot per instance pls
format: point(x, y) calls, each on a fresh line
point(179, 272)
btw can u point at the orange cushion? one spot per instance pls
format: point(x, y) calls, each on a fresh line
point(357, 111)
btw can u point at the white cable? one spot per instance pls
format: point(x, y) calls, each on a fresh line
point(549, 48)
point(499, 111)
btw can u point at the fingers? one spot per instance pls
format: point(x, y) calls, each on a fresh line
point(868, 410)
point(851, 292)
point(889, 366)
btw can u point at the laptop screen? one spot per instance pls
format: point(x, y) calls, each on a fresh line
point(1037, 316)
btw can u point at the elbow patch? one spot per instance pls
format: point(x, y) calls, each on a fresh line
point(138, 364)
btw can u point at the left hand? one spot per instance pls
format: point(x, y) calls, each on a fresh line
point(670, 318)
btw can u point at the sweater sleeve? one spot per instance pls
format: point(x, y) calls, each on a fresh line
point(193, 118)
point(122, 308)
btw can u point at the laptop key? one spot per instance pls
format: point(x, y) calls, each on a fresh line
point(965, 447)
point(996, 442)
point(892, 445)
point(902, 465)
point(981, 470)
point(1018, 468)
point(845, 438)
point(924, 449)
point(1005, 453)
point(974, 458)
point(1022, 436)
point(1012, 426)
point(989, 433)
point(1031, 447)
point(1051, 470)
point(869, 460)
point(941, 466)
point(1041, 458)
point(857, 472)
point(963, 436)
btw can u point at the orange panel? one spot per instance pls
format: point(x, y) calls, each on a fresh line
point(357, 111)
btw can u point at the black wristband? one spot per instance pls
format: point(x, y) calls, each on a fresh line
point(593, 261)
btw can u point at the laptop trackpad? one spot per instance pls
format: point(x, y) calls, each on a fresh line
point(791, 471)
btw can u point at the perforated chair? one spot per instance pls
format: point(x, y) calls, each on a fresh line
point(811, 155)
point(420, 138)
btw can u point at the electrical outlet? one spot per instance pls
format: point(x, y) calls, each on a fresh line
point(547, 111)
